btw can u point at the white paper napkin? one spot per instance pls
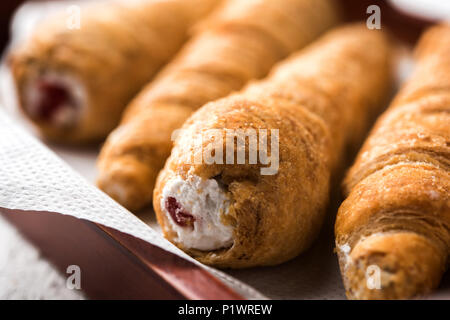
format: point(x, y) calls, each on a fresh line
point(33, 178)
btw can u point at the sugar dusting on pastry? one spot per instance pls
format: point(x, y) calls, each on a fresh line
point(194, 208)
point(55, 98)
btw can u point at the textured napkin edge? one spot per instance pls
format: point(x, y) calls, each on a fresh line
point(141, 231)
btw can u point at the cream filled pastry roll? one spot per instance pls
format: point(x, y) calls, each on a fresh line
point(393, 230)
point(248, 179)
point(74, 80)
point(240, 41)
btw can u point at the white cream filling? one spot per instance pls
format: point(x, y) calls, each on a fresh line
point(66, 115)
point(207, 202)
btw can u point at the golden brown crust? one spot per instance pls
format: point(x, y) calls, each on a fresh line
point(400, 258)
point(119, 47)
point(400, 184)
point(240, 41)
point(311, 100)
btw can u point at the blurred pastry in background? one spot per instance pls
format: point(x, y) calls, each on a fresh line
point(239, 42)
point(74, 80)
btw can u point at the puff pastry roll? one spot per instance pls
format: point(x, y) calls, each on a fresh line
point(393, 230)
point(234, 213)
point(73, 83)
point(240, 41)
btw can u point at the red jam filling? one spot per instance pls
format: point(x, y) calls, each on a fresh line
point(52, 98)
point(178, 214)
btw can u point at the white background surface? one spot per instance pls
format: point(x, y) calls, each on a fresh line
point(24, 274)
